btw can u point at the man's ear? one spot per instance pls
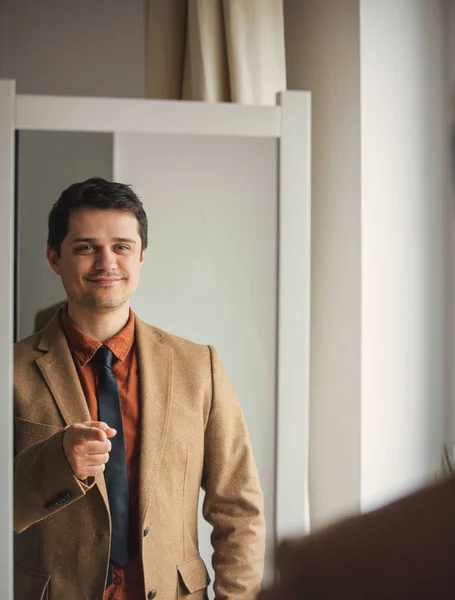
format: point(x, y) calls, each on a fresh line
point(54, 259)
point(141, 260)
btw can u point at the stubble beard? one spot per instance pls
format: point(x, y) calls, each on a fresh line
point(99, 303)
point(96, 303)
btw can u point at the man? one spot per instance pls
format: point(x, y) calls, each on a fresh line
point(403, 551)
point(117, 426)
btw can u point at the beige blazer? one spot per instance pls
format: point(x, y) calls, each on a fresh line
point(193, 434)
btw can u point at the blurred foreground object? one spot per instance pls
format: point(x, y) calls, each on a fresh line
point(403, 551)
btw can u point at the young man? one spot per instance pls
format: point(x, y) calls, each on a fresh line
point(117, 426)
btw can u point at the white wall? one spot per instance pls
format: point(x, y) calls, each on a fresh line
point(83, 48)
point(405, 246)
point(322, 55)
point(381, 348)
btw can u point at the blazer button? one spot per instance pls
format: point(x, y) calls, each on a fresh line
point(146, 531)
point(151, 595)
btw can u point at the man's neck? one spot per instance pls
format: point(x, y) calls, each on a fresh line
point(101, 325)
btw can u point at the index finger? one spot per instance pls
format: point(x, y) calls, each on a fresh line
point(94, 434)
point(110, 431)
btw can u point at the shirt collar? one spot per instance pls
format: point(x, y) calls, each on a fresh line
point(84, 346)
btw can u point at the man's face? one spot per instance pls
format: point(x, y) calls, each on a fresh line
point(100, 259)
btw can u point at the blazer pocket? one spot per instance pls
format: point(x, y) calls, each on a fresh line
point(193, 576)
point(30, 585)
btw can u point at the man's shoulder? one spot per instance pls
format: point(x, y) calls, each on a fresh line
point(177, 343)
point(28, 346)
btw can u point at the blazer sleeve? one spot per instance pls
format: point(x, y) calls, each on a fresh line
point(44, 482)
point(233, 502)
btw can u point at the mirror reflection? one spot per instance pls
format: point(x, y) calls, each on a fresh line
point(145, 374)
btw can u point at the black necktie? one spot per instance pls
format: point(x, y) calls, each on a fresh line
point(115, 474)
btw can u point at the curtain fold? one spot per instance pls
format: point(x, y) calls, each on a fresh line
point(215, 50)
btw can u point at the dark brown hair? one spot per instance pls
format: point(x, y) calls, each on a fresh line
point(93, 193)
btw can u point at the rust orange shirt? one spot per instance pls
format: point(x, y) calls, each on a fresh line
point(128, 583)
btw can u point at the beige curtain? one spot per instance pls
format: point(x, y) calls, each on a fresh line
point(215, 50)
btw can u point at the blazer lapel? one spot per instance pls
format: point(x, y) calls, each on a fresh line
point(155, 378)
point(60, 373)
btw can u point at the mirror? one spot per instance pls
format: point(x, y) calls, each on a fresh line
point(210, 273)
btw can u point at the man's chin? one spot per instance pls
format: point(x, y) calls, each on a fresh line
point(99, 304)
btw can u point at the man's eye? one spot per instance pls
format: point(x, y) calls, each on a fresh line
point(86, 248)
point(122, 247)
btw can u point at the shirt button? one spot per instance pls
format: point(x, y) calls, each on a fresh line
point(146, 531)
point(151, 595)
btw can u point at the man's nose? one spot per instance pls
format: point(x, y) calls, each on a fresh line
point(106, 260)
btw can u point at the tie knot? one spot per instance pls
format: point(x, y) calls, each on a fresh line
point(104, 357)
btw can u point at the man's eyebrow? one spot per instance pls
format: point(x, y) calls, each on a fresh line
point(82, 239)
point(129, 240)
point(78, 240)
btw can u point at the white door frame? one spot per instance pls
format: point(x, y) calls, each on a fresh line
point(7, 110)
point(289, 122)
